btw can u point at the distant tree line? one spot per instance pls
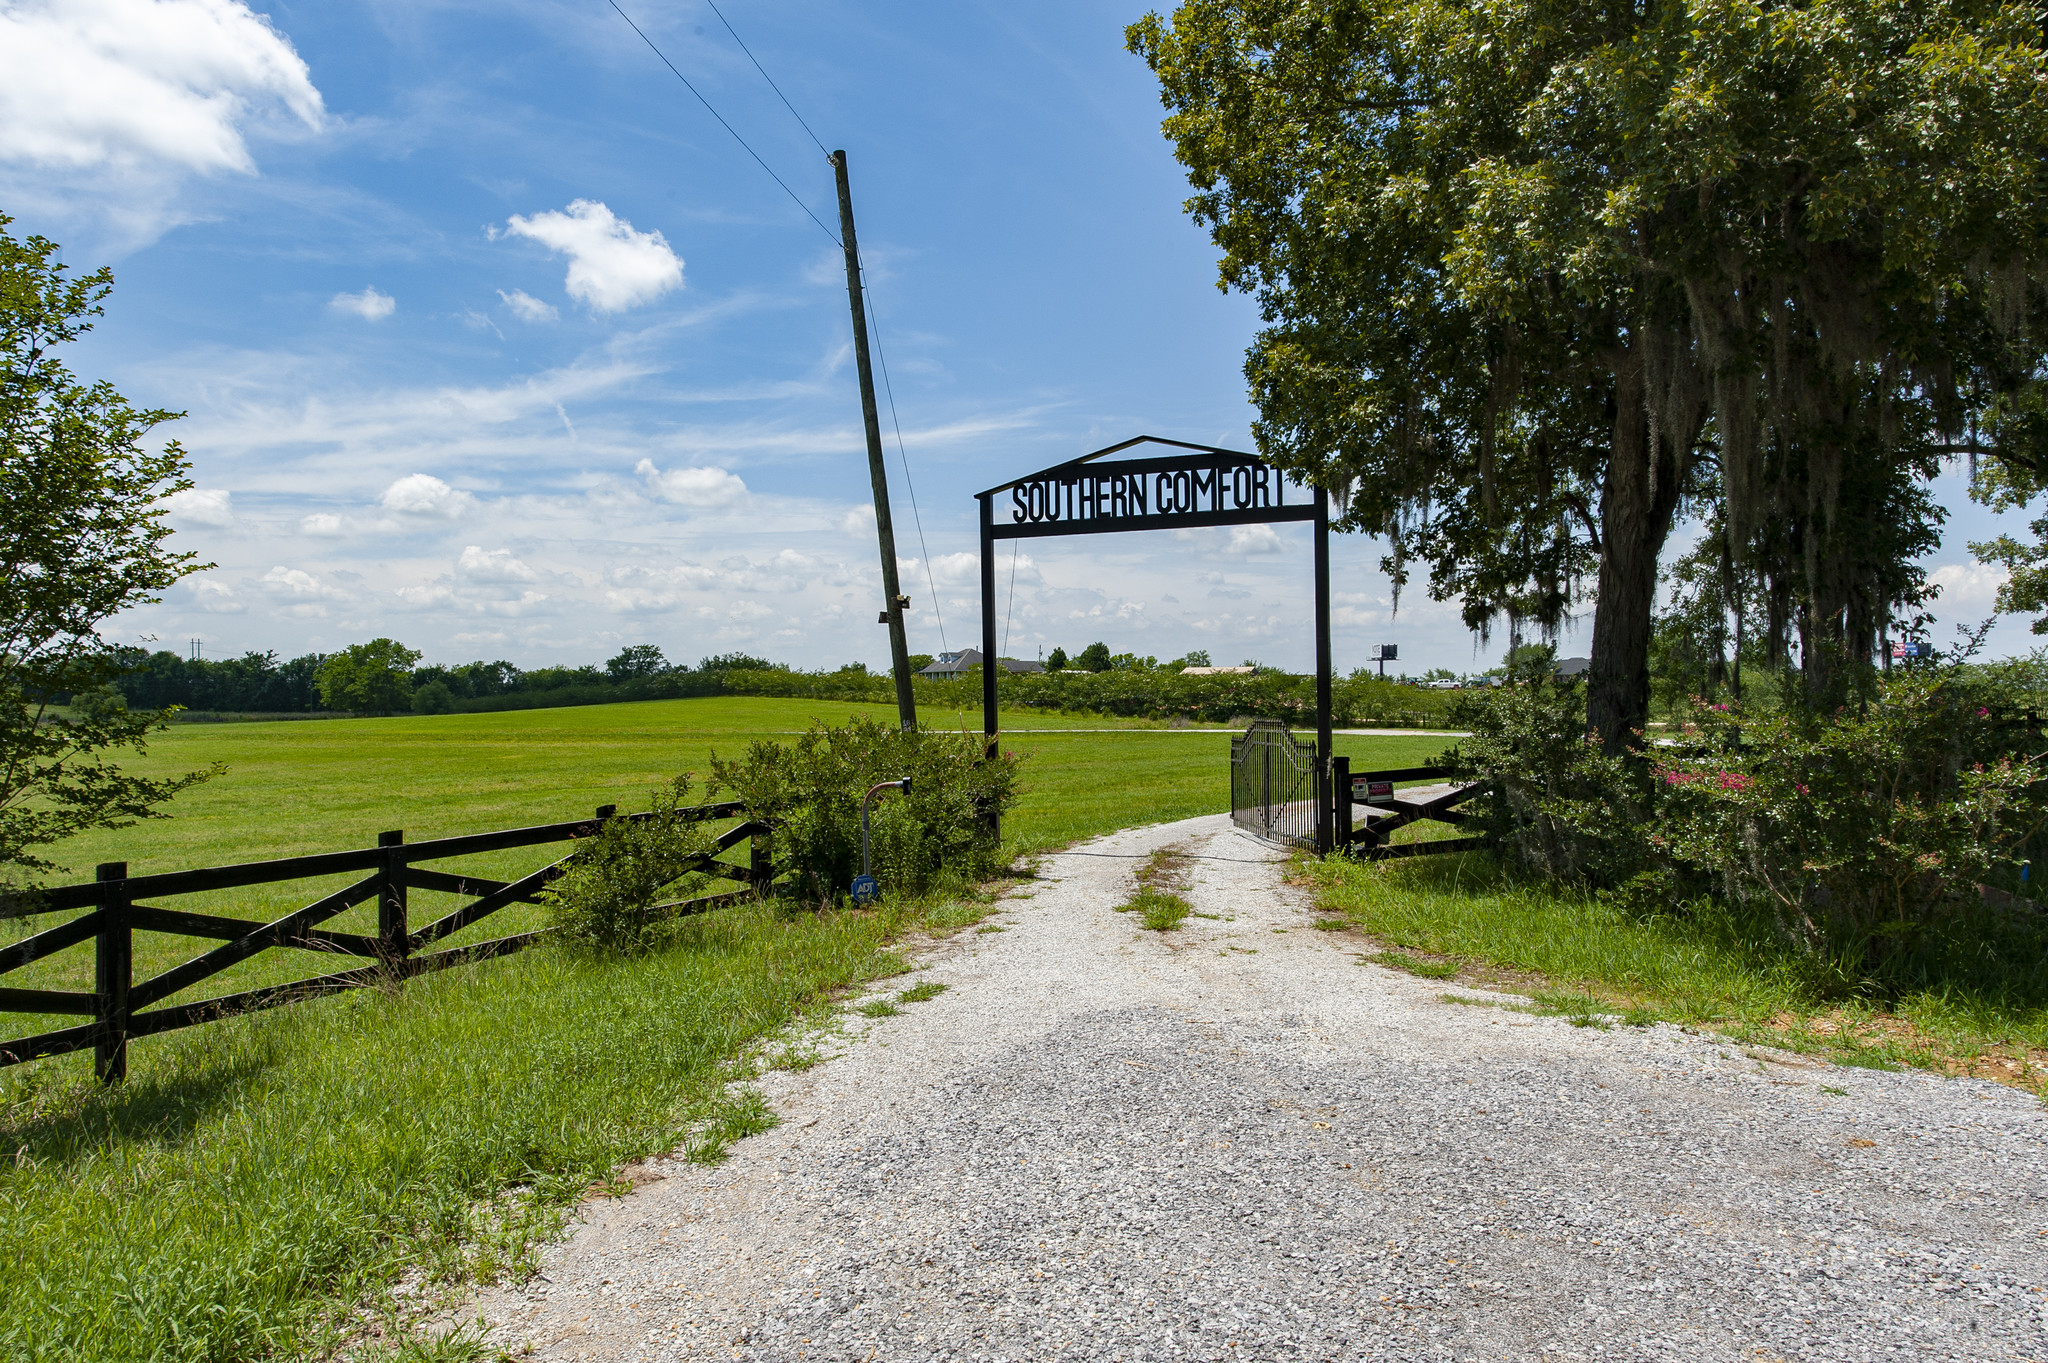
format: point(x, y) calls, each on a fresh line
point(384, 677)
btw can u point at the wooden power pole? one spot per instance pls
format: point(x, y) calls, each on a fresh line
point(893, 599)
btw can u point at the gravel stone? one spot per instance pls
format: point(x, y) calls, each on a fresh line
point(1229, 1142)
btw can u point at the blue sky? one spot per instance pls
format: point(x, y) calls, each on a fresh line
point(493, 341)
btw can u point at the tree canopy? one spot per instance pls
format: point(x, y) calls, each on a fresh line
point(82, 538)
point(1538, 277)
point(371, 679)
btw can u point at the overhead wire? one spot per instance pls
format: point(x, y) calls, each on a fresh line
point(889, 388)
point(727, 126)
point(1012, 606)
point(764, 73)
point(903, 455)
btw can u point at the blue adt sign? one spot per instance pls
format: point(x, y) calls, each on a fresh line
point(865, 889)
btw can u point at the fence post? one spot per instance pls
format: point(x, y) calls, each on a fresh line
point(112, 963)
point(392, 932)
point(761, 860)
point(1340, 780)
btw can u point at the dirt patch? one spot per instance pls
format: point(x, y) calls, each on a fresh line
point(1885, 1036)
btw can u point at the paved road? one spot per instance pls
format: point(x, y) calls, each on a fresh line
point(1236, 1141)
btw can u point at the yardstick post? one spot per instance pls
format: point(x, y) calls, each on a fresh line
point(113, 956)
point(892, 597)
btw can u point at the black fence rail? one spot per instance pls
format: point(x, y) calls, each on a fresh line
point(1273, 783)
point(1369, 810)
point(121, 1007)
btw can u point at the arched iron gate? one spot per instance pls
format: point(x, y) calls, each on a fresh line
point(1273, 784)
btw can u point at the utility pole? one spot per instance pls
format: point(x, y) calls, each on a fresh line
point(893, 599)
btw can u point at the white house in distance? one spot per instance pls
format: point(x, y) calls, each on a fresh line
point(953, 666)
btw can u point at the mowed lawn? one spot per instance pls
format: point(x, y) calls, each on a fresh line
point(258, 1185)
point(300, 786)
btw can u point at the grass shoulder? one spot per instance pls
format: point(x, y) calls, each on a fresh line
point(316, 1178)
point(1463, 920)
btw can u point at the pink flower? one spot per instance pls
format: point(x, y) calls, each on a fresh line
point(1680, 778)
point(1801, 787)
point(1983, 713)
point(1722, 708)
point(1733, 780)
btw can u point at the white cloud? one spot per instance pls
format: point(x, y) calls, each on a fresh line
point(202, 506)
point(527, 308)
point(88, 84)
point(692, 487)
point(369, 305)
point(1969, 584)
point(433, 594)
point(324, 524)
point(1253, 539)
point(611, 266)
point(494, 565)
point(216, 597)
point(953, 570)
point(300, 584)
point(422, 494)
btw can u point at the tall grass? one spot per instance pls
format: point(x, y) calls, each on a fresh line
point(256, 1174)
point(1581, 953)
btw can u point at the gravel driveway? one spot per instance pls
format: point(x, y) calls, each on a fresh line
point(1236, 1141)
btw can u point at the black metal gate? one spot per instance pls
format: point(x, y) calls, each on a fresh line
point(1273, 784)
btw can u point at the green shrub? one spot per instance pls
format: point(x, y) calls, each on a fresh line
point(607, 899)
point(1559, 806)
point(812, 788)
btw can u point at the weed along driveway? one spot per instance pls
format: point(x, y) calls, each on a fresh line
point(1236, 1139)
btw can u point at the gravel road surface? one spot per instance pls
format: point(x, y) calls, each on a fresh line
point(1236, 1141)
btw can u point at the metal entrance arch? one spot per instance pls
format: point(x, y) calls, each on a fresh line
point(1199, 485)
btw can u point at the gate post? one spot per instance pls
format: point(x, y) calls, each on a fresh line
point(1325, 834)
point(113, 957)
point(1340, 780)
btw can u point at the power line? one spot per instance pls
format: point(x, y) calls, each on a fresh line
point(764, 73)
point(721, 118)
point(902, 455)
point(1014, 546)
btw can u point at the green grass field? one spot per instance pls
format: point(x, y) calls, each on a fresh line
point(321, 785)
point(258, 1179)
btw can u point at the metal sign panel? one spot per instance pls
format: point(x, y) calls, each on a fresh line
point(1203, 486)
point(1206, 487)
point(1364, 789)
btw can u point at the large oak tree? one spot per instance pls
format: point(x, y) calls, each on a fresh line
point(1536, 273)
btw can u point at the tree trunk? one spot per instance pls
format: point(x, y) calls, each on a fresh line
point(1635, 520)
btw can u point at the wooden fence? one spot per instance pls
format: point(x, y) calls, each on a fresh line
point(120, 1007)
point(1368, 810)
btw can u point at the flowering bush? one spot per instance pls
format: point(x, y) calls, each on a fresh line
point(1859, 831)
point(1867, 837)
